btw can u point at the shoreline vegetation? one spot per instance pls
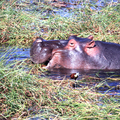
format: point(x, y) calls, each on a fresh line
point(25, 91)
point(19, 26)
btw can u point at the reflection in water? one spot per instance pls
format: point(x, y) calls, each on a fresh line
point(108, 86)
point(97, 73)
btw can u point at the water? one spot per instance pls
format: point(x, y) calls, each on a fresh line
point(71, 10)
point(64, 7)
point(109, 86)
point(104, 81)
point(12, 54)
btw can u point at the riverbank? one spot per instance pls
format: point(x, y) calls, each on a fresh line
point(26, 91)
point(19, 26)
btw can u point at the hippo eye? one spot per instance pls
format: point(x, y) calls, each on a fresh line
point(72, 44)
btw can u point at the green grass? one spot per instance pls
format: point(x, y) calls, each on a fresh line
point(20, 28)
point(29, 93)
point(25, 92)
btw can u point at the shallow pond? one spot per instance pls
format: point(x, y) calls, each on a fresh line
point(110, 79)
point(63, 8)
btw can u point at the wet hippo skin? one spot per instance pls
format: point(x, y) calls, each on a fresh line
point(41, 50)
point(86, 54)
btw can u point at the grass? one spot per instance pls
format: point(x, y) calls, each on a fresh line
point(20, 28)
point(26, 94)
point(29, 92)
point(25, 90)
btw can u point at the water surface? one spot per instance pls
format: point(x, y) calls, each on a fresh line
point(110, 79)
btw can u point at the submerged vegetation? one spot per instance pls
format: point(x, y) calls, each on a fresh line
point(25, 91)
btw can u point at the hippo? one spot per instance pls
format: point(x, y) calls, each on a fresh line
point(41, 50)
point(86, 54)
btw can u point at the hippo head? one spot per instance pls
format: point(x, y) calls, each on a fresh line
point(39, 52)
point(77, 54)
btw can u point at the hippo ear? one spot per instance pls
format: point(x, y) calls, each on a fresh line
point(39, 39)
point(91, 44)
point(90, 37)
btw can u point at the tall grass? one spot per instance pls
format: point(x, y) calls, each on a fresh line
point(20, 27)
point(29, 93)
